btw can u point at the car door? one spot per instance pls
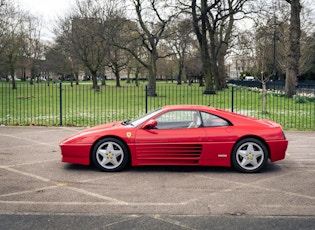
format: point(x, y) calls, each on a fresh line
point(176, 140)
point(220, 140)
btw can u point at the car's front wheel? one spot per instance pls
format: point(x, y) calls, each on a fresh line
point(110, 155)
point(249, 155)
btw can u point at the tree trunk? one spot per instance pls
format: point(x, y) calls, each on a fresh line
point(203, 44)
point(76, 75)
point(13, 83)
point(94, 80)
point(117, 79)
point(293, 53)
point(152, 86)
point(180, 71)
point(221, 72)
point(204, 52)
point(13, 79)
point(103, 79)
point(152, 77)
point(128, 75)
point(264, 97)
point(208, 80)
point(136, 76)
point(222, 53)
point(213, 58)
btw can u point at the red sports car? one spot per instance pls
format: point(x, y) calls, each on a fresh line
point(179, 135)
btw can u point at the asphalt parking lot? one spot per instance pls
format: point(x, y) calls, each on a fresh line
point(38, 190)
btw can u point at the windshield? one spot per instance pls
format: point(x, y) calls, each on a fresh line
point(145, 117)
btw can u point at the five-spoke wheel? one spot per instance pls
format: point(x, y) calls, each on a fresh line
point(249, 155)
point(110, 155)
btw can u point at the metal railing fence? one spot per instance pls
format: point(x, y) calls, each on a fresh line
point(61, 104)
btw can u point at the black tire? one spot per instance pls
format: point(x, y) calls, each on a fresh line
point(110, 155)
point(249, 155)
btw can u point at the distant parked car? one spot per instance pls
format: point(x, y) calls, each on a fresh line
point(249, 78)
point(179, 135)
point(68, 78)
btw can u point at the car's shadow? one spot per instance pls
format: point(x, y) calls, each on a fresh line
point(74, 167)
point(270, 168)
point(154, 168)
point(179, 169)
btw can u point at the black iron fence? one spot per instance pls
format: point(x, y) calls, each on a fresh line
point(63, 104)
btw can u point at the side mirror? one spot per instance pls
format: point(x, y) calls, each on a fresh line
point(151, 124)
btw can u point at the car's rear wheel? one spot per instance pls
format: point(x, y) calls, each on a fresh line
point(249, 155)
point(110, 155)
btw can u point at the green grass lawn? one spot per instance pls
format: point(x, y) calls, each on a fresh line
point(78, 105)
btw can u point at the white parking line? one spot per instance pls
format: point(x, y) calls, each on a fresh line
point(58, 184)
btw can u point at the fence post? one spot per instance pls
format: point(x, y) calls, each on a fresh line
point(60, 103)
point(232, 98)
point(146, 99)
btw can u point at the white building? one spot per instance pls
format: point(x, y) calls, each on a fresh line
point(237, 65)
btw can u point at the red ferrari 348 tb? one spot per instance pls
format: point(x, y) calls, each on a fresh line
point(179, 135)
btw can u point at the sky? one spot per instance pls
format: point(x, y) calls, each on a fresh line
point(48, 11)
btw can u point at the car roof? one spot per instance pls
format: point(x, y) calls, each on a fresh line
point(188, 107)
point(233, 118)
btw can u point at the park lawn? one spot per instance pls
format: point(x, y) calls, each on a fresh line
point(79, 105)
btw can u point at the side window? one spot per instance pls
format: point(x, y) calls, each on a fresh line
point(179, 119)
point(210, 120)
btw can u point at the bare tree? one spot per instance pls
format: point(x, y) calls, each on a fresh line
point(201, 33)
point(58, 59)
point(181, 40)
point(89, 34)
point(81, 36)
point(11, 39)
point(134, 66)
point(194, 68)
point(307, 61)
point(153, 16)
point(213, 23)
point(293, 53)
point(20, 44)
point(116, 62)
point(6, 12)
point(117, 59)
point(33, 46)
